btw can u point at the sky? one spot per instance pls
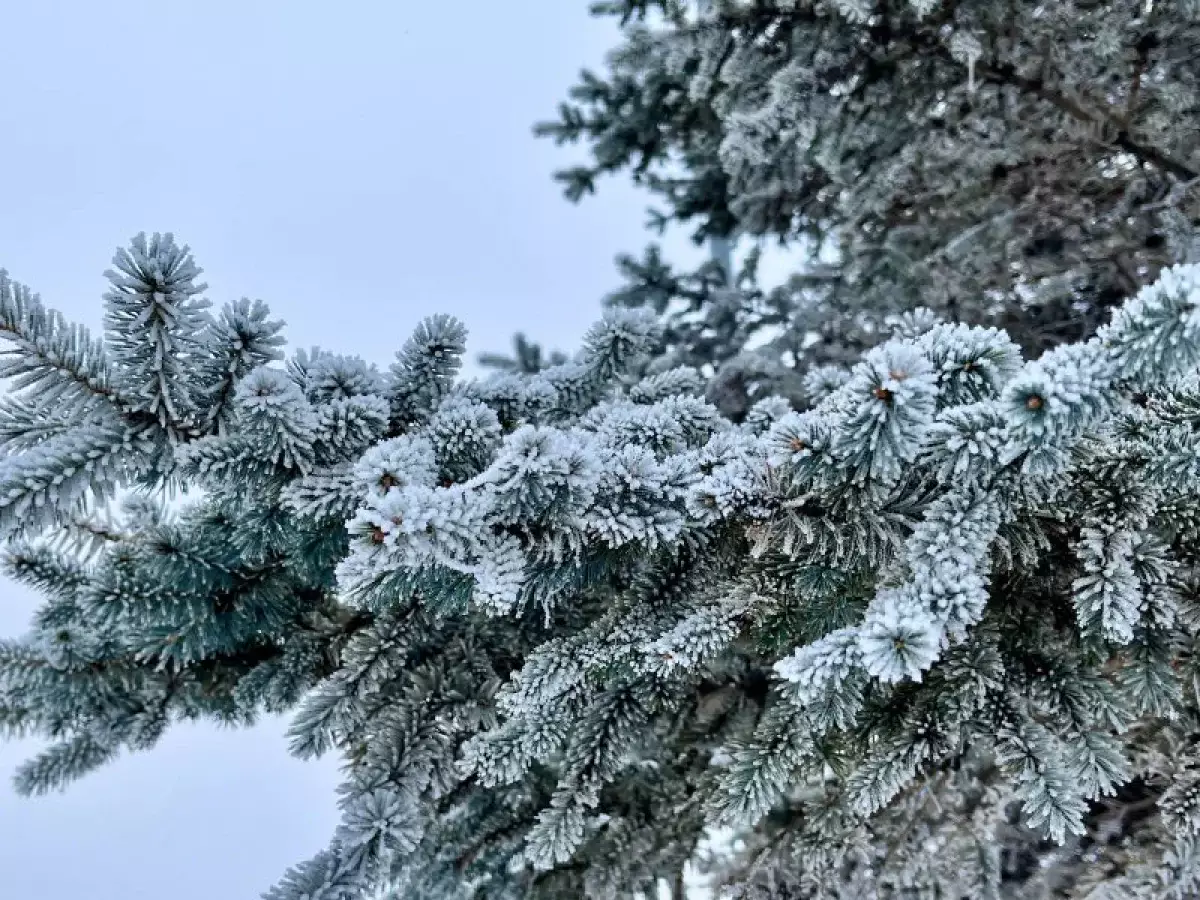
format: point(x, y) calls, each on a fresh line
point(357, 165)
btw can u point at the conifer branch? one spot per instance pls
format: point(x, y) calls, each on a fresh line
point(1006, 73)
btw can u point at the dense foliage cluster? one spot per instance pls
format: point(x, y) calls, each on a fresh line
point(1022, 165)
point(561, 623)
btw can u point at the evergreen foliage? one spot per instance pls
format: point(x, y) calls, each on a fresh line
point(934, 634)
point(889, 572)
point(1022, 165)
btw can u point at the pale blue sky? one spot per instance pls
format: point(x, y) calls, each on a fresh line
point(358, 165)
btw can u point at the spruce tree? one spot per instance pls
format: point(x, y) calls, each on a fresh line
point(881, 583)
point(1019, 165)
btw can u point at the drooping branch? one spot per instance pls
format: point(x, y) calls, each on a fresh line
point(1006, 73)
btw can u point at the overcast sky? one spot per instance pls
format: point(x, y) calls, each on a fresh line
point(358, 165)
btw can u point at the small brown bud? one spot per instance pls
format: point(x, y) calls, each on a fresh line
point(797, 444)
point(388, 481)
point(1034, 402)
point(378, 536)
point(882, 393)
